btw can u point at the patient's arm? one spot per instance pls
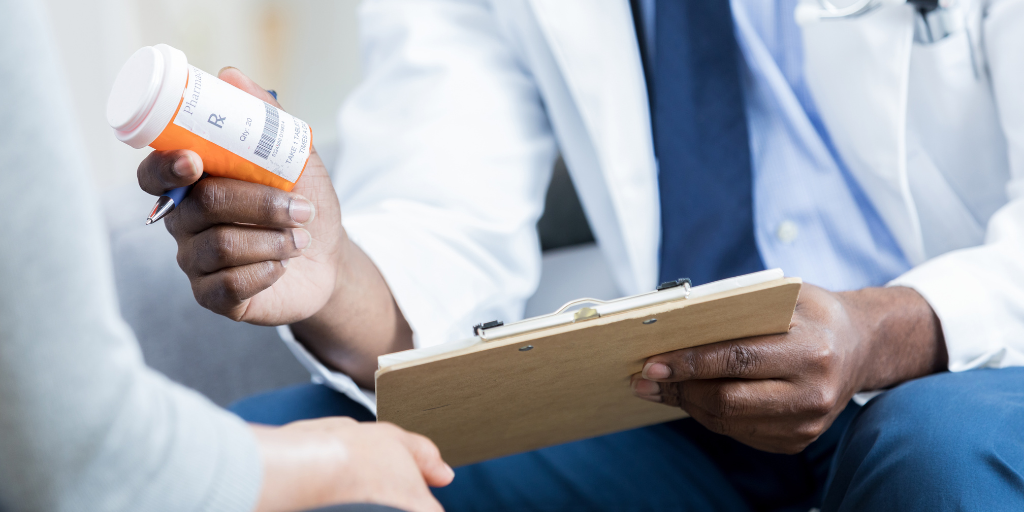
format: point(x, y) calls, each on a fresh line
point(84, 424)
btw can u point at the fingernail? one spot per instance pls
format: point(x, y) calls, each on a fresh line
point(184, 167)
point(300, 210)
point(301, 238)
point(646, 387)
point(225, 68)
point(657, 371)
point(450, 470)
point(284, 263)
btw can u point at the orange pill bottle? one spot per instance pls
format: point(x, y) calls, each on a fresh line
point(159, 100)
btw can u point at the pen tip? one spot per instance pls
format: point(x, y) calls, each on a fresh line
point(163, 206)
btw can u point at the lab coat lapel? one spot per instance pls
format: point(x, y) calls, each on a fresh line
point(594, 46)
point(858, 71)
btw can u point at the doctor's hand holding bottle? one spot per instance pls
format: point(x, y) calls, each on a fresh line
point(257, 254)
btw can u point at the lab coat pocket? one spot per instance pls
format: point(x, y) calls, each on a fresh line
point(948, 62)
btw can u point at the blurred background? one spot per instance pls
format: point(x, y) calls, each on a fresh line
point(306, 50)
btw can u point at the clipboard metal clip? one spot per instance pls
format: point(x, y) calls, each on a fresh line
point(586, 312)
point(577, 302)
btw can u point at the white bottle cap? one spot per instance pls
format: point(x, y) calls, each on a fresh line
point(146, 94)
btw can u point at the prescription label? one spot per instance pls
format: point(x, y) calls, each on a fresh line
point(244, 125)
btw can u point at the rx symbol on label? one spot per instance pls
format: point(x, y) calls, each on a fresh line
point(216, 120)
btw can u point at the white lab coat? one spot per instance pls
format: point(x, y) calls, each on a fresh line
point(448, 145)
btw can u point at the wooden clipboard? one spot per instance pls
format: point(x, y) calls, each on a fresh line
point(568, 382)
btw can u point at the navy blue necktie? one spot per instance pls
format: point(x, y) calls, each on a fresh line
point(700, 137)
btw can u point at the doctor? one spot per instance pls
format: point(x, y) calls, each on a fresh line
point(706, 139)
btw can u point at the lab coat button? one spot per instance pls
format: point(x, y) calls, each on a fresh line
point(787, 231)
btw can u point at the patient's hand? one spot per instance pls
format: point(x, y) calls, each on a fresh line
point(779, 393)
point(261, 255)
point(315, 463)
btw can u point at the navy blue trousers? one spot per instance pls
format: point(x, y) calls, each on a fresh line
point(952, 441)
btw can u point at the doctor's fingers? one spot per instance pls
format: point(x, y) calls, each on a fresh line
point(228, 245)
point(225, 201)
point(761, 357)
point(235, 77)
point(772, 415)
point(166, 170)
point(227, 292)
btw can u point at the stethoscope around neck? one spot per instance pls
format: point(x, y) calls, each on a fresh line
point(931, 22)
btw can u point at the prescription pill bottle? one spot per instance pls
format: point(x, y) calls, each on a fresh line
point(159, 100)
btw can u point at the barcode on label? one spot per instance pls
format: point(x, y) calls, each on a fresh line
point(269, 133)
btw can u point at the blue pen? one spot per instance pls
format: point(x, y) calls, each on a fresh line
point(173, 198)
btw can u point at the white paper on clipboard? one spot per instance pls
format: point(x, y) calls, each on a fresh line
point(567, 317)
